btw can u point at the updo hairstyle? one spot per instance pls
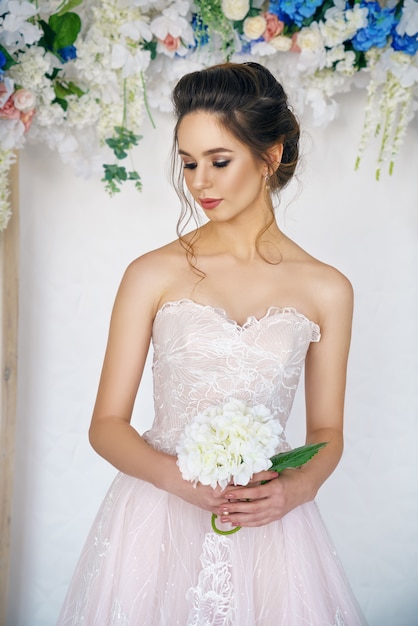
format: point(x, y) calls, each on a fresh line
point(248, 102)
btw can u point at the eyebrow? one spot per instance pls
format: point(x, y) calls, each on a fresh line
point(207, 152)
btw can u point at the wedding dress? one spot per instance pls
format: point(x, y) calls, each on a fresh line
point(152, 559)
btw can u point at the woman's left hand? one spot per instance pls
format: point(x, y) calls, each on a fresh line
point(258, 504)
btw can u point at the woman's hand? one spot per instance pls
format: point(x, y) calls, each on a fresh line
point(259, 504)
point(202, 496)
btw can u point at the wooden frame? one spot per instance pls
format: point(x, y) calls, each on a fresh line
point(10, 268)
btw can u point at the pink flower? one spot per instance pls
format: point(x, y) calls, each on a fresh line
point(8, 111)
point(295, 46)
point(274, 26)
point(19, 106)
point(26, 118)
point(171, 43)
point(24, 100)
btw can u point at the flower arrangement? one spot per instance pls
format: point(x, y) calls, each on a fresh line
point(81, 76)
point(231, 442)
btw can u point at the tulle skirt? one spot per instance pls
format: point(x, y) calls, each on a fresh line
point(152, 559)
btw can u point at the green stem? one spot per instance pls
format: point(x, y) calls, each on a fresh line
point(223, 532)
point(146, 100)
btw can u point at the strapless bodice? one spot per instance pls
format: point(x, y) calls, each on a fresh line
point(201, 358)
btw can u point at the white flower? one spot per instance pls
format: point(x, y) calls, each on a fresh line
point(11, 134)
point(16, 30)
point(262, 49)
point(171, 22)
point(281, 43)
point(254, 27)
point(408, 24)
point(131, 62)
point(24, 100)
point(228, 443)
point(235, 9)
point(341, 59)
point(341, 25)
point(7, 88)
point(136, 30)
point(311, 44)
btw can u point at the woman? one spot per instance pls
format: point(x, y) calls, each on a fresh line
point(235, 309)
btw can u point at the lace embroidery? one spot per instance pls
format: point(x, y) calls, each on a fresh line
point(118, 618)
point(191, 375)
point(100, 549)
point(212, 598)
point(251, 319)
point(339, 619)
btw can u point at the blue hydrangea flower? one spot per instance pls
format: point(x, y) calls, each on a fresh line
point(380, 22)
point(405, 43)
point(294, 11)
point(2, 62)
point(67, 54)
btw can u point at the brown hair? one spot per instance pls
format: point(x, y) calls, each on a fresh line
point(252, 105)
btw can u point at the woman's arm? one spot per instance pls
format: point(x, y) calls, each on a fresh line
point(111, 433)
point(325, 380)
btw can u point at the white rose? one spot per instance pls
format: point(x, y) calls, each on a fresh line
point(309, 39)
point(254, 27)
point(24, 100)
point(235, 9)
point(281, 43)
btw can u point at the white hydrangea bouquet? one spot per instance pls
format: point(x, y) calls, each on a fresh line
point(229, 443)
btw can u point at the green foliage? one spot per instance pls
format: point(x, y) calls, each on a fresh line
point(60, 31)
point(152, 47)
point(116, 174)
point(69, 6)
point(294, 458)
point(210, 14)
point(66, 28)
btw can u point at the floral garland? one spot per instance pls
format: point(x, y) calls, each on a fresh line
point(80, 77)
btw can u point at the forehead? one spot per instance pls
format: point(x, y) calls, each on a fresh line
point(201, 131)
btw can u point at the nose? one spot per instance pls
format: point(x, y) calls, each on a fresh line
point(201, 178)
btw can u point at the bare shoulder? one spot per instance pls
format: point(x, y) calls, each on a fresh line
point(333, 296)
point(148, 277)
point(329, 291)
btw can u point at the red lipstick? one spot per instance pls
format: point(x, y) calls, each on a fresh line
point(210, 203)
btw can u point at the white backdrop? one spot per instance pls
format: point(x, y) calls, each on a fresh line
point(75, 244)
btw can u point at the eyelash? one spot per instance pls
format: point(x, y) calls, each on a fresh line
point(218, 164)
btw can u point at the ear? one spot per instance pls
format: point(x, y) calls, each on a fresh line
point(274, 156)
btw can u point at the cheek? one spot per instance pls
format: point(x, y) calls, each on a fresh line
point(241, 179)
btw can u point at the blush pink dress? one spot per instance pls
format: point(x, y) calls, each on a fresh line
point(152, 559)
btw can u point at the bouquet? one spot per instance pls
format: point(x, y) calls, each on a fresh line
point(229, 443)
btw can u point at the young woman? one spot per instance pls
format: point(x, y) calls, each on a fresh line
point(234, 309)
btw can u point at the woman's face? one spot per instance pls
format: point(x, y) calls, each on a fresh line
point(221, 173)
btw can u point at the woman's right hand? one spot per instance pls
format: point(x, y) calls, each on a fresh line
point(202, 496)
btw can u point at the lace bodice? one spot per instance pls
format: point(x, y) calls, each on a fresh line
point(201, 358)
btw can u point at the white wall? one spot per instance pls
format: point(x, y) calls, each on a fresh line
point(75, 244)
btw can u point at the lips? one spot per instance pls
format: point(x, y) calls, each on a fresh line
point(210, 203)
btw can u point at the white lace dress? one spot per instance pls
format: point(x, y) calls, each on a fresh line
point(152, 559)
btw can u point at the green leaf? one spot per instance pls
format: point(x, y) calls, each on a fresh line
point(68, 6)
point(66, 28)
point(152, 47)
point(62, 102)
point(74, 89)
point(47, 41)
point(295, 458)
point(62, 90)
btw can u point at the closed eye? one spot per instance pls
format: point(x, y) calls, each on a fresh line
point(220, 163)
point(189, 166)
